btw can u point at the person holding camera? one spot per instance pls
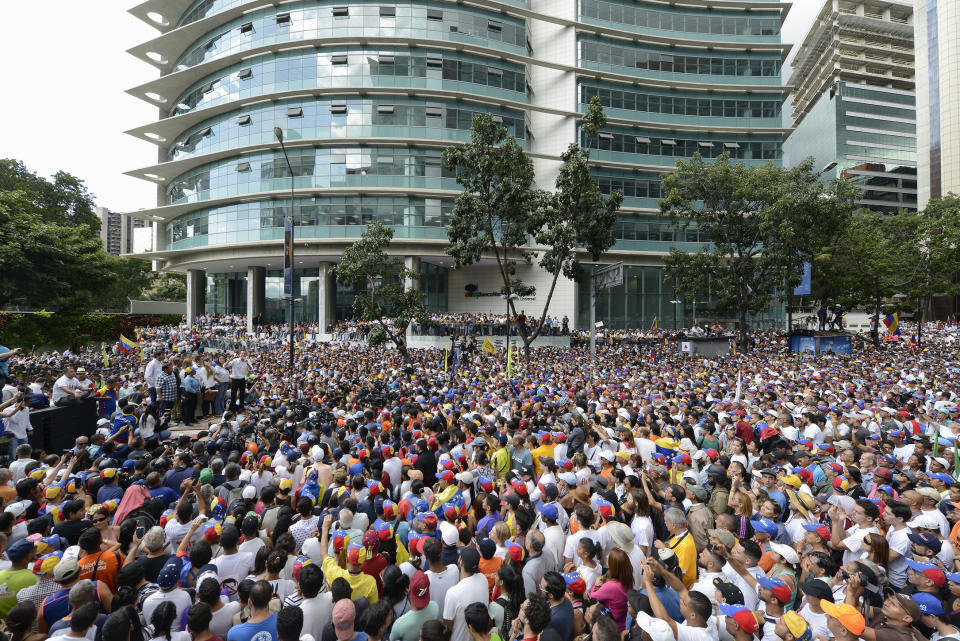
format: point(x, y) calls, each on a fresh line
point(16, 421)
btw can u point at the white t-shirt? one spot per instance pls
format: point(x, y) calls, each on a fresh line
point(19, 423)
point(179, 597)
point(63, 381)
point(239, 368)
point(440, 582)
point(470, 590)
point(643, 533)
point(897, 570)
point(233, 566)
point(688, 633)
point(252, 546)
point(222, 619)
point(176, 636)
point(817, 622)
point(854, 543)
point(317, 613)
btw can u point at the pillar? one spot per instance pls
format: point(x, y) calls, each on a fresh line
point(196, 288)
point(326, 298)
point(412, 263)
point(256, 281)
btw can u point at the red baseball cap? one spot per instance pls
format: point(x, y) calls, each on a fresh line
point(419, 590)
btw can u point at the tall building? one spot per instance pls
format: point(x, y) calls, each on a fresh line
point(117, 231)
point(854, 105)
point(369, 92)
point(937, 33)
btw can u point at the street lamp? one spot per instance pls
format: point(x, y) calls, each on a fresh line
point(288, 246)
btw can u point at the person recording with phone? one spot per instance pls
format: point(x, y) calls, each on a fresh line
point(16, 421)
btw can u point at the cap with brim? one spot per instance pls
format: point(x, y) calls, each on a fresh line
point(848, 616)
point(933, 572)
point(788, 553)
point(797, 626)
point(777, 586)
point(928, 603)
point(929, 493)
point(816, 588)
point(910, 606)
point(657, 629)
point(420, 590)
point(741, 614)
point(729, 592)
point(725, 537)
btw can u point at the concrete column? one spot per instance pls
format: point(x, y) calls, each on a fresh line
point(412, 263)
point(256, 280)
point(196, 288)
point(326, 295)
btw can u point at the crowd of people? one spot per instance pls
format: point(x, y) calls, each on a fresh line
point(641, 496)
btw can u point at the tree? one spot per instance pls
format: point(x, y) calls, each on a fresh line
point(385, 299)
point(50, 252)
point(499, 211)
point(869, 262)
point(495, 212)
point(761, 223)
point(167, 286)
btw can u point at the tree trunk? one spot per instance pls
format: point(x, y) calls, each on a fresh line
point(876, 315)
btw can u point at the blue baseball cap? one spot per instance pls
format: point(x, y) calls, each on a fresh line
point(550, 512)
point(928, 603)
point(766, 526)
point(946, 478)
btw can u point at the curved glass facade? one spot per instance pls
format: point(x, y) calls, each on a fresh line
point(383, 67)
point(309, 21)
point(320, 217)
point(368, 94)
point(347, 118)
point(314, 167)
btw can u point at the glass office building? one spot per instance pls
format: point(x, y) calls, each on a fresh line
point(855, 104)
point(368, 93)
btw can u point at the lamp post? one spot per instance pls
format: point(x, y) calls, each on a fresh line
point(288, 246)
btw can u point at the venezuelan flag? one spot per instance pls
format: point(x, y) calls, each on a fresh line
point(892, 323)
point(126, 345)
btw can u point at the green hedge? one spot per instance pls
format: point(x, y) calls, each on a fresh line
point(73, 330)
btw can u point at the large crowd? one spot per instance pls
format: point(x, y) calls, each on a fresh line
point(641, 496)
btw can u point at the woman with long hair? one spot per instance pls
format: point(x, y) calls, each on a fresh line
point(612, 588)
point(20, 621)
point(395, 587)
point(878, 549)
point(505, 608)
point(587, 562)
point(742, 506)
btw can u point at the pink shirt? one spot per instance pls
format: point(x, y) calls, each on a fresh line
point(612, 595)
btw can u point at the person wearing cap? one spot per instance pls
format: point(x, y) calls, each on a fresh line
point(899, 614)
point(20, 554)
point(845, 621)
point(700, 517)
point(422, 609)
point(934, 617)
point(812, 612)
point(361, 584)
point(262, 624)
point(56, 605)
point(472, 588)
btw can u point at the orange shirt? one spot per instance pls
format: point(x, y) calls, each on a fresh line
point(101, 566)
point(7, 493)
point(489, 567)
point(766, 561)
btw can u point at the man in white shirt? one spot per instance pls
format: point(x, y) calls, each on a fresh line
point(442, 577)
point(151, 373)
point(66, 387)
point(232, 564)
point(472, 588)
point(239, 369)
point(317, 608)
point(16, 422)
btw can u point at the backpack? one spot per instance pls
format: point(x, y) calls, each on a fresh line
point(234, 493)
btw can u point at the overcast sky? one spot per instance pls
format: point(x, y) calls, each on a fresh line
point(64, 73)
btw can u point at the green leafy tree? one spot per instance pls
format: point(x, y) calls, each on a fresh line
point(871, 261)
point(168, 287)
point(761, 222)
point(499, 211)
point(386, 299)
point(494, 213)
point(50, 252)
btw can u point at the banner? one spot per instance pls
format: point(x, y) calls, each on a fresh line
point(488, 346)
point(803, 289)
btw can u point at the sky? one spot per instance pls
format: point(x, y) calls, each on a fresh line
point(64, 105)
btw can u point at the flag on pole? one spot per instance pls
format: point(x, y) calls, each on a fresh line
point(106, 357)
point(488, 346)
point(509, 359)
point(936, 443)
point(892, 323)
point(126, 345)
point(654, 325)
point(739, 384)
point(446, 357)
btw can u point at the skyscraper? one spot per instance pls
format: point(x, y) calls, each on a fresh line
point(369, 92)
point(937, 34)
point(854, 105)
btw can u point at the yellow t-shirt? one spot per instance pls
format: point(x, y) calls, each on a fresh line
point(362, 584)
point(543, 450)
point(501, 462)
point(686, 551)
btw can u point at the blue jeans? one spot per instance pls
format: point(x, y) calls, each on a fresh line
point(152, 391)
point(14, 444)
point(220, 401)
